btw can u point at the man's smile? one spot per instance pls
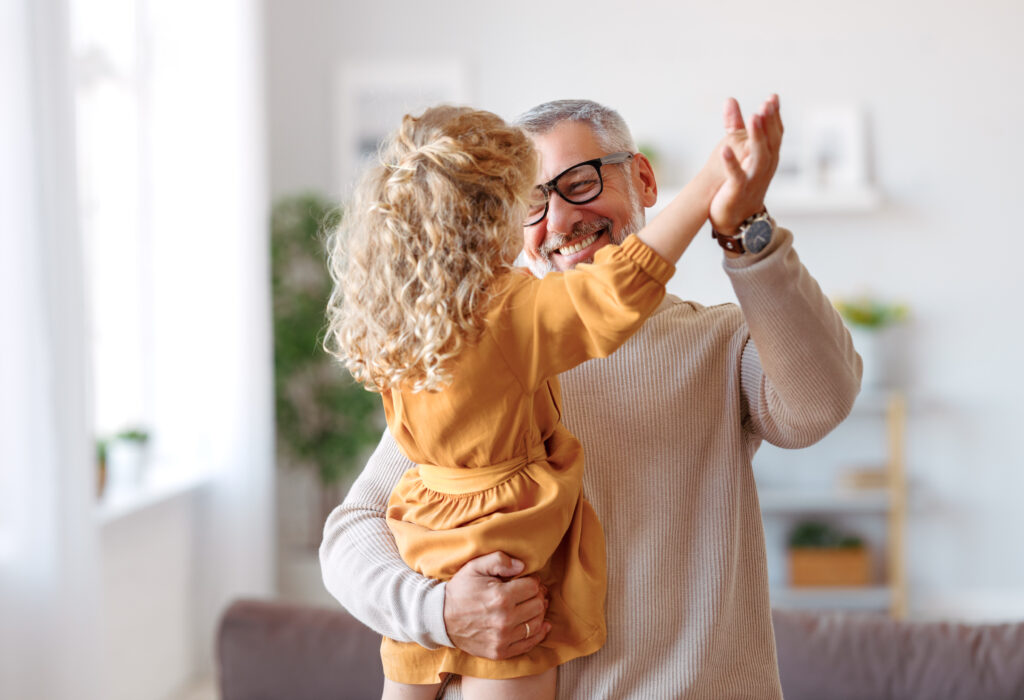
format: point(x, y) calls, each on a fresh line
point(581, 246)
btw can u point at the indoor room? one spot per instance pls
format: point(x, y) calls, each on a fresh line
point(175, 436)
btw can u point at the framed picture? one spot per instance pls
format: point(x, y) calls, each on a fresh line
point(824, 167)
point(373, 97)
point(834, 148)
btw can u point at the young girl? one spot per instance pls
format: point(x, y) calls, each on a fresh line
point(464, 349)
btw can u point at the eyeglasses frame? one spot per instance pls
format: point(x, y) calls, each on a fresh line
point(552, 184)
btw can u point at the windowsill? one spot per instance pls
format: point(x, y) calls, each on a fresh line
point(160, 486)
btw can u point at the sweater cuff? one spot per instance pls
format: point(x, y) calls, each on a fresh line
point(434, 612)
point(660, 269)
point(782, 238)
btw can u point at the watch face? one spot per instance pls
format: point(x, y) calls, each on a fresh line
point(757, 237)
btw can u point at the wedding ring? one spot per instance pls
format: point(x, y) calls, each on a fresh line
point(527, 630)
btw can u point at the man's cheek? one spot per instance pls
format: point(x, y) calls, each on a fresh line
point(532, 239)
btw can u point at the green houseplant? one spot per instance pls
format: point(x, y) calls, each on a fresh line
point(869, 313)
point(820, 555)
point(871, 322)
point(325, 421)
point(121, 458)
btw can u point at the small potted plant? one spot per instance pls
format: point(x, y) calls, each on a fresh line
point(870, 321)
point(101, 466)
point(125, 456)
point(820, 555)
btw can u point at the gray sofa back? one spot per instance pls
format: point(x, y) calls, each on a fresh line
point(277, 651)
point(844, 656)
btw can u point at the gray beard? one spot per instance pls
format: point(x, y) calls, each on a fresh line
point(543, 265)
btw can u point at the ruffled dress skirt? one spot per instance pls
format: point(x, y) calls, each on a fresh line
point(531, 508)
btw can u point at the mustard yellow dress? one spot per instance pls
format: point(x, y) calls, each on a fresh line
point(496, 469)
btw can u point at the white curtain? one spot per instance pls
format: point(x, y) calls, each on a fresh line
point(213, 361)
point(49, 600)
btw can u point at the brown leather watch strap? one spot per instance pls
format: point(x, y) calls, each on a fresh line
point(733, 244)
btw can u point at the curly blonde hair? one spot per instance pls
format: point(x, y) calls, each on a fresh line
point(430, 228)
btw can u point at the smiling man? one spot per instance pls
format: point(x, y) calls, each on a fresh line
point(669, 424)
point(570, 227)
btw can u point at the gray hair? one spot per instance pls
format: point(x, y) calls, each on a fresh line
point(607, 124)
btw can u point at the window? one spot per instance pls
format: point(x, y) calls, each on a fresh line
point(110, 90)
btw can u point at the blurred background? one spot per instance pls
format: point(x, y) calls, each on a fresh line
point(164, 172)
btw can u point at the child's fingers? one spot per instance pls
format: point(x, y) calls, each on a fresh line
point(733, 170)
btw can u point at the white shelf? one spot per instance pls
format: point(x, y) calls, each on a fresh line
point(161, 486)
point(861, 598)
point(786, 199)
point(782, 500)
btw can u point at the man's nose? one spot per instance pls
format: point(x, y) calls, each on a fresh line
point(562, 215)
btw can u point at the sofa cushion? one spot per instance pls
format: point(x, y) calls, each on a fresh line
point(273, 650)
point(855, 656)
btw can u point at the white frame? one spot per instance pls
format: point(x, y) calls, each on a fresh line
point(834, 149)
point(373, 97)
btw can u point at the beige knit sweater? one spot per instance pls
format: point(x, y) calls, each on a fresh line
point(669, 424)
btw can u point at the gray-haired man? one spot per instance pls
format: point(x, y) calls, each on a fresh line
point(669, 423)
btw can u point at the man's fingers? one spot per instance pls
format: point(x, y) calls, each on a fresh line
point(732, 117)
point(521, 590)
point(536, 637)
point(496, 564)
point(759, 151)
point(529, 609)
point(773, 123)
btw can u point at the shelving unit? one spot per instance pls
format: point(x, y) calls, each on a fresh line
point(888, 501)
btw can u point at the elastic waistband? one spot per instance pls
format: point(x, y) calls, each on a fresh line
point(462, 480)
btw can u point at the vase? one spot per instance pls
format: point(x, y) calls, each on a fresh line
point(877, 352)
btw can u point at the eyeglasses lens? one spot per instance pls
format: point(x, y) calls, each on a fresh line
point(578, 185)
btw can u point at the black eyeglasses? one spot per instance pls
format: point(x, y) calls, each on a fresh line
point(579, 184)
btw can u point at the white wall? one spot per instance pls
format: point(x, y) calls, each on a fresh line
point(939, 85)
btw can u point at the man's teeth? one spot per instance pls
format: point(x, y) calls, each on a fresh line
point(577, 247)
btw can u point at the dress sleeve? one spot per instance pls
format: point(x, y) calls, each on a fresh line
point(362, 568)
point(558, 322)
point(799, 371)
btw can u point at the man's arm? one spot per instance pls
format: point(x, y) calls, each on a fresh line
point(799, 371)
point(362, 568)
point(477, 610)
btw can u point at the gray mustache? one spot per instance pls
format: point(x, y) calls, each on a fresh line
point(579, 230)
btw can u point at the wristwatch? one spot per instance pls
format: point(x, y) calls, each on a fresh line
point(754, 236)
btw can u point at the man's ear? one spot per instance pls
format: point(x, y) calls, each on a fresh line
point(643, 178)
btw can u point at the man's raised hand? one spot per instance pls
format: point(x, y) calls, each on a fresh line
point(750, 155)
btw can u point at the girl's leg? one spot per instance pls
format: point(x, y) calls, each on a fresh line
point(538, 687)
point(403, 691)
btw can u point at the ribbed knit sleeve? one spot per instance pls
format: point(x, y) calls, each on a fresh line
point(362, 568)
point(800, 374)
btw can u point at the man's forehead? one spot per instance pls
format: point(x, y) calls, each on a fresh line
point(565, 145)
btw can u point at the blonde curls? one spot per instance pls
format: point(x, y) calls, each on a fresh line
point(430, 228)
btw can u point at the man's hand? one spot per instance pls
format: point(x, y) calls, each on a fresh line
point(750, 156)
point(491, 617)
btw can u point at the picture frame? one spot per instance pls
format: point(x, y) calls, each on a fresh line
point(834, 149)
point(373, 97)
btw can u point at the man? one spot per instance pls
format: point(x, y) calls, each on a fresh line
point(669, 423)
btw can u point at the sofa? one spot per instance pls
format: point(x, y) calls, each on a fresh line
point(269, 650)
